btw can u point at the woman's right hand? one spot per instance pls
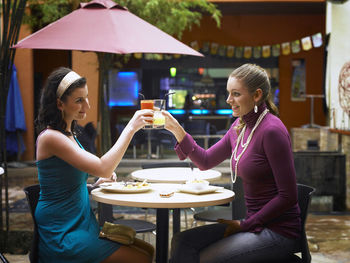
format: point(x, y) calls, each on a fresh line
point(233, 226)
point(140, 119)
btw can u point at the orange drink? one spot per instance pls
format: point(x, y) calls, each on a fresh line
point(147, 104)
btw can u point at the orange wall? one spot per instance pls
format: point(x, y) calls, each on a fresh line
point(86, 64)
point(255, 30)
point(25, 71)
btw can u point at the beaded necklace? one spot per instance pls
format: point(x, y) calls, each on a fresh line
point(244, 145)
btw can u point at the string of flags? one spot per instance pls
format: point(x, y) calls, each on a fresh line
point(247, 52)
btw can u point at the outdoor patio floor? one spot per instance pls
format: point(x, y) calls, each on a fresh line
point(328, 233)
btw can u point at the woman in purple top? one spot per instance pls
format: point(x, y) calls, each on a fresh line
point(259, 147)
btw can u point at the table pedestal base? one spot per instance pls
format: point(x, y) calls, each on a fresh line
point(162, 235)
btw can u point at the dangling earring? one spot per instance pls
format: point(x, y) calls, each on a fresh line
point(255, 108)
point(62, 114)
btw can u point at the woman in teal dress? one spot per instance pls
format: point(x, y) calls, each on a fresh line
point(68, 230)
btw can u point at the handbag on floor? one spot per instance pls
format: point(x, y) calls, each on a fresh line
point(118, 233)
point(127, 236)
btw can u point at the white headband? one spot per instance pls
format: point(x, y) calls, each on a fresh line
point(66, 82)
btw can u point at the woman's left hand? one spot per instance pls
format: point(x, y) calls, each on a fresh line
point(233, 226)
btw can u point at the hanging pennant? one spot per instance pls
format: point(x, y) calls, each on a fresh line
point(214, 48)
point(239, 52)
point(306, 43)
point(158, 56)
point(296, 46)
point(276, 50)
point(230, 51)
point(206, 47)
point(247, 52)
point(317, 40)
point(177, 56)
point(138, 55)
point(286, 48)
point(167, 56)
point(222, 50)
point(266, 51)
point(256, 52)
point(195, 45)
point(148, 56)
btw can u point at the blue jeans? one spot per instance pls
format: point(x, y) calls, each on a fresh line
point(206, 244)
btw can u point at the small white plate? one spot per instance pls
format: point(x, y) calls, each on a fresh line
point(209, 189)
point(120, 188)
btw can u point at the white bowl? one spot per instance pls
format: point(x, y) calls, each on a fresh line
point(197, 184)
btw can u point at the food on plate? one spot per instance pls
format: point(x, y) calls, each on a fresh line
point(136, 185)
point(166, 194)
point(197, 184)
point(126, 185)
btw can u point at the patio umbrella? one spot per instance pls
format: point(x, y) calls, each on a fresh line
point(105, 26)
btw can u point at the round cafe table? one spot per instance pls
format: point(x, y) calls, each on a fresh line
point(174, 174)
point(152, 199)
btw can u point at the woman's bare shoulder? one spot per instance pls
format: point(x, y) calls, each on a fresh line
point(49, 134)
point(48, 143)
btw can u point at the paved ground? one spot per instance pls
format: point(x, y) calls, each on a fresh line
point(328, 233)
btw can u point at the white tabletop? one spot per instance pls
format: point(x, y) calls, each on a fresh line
point(152, 199)
point(174, 174)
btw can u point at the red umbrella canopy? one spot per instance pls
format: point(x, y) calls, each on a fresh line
point(105, 26)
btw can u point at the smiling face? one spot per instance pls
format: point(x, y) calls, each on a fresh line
point(239, 98)
point(75, 105)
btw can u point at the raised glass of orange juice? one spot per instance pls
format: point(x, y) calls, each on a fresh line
point(147, 104)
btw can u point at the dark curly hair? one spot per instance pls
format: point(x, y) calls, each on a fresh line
point(49, 114)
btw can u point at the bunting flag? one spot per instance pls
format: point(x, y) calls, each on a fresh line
point(276, 50)
point(286, 48)
point(256, 52)
point(239, 52)
point(317, 40)
point(296, 46)
point(214, 48)
point(306, 43)
point(205, 48)
point(247, 52)
point(222, 50)
point(266, 51)
point(230, 51)
point(195, 45)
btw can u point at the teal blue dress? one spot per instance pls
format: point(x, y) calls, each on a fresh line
point(68, 229)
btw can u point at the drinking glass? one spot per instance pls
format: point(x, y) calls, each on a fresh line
point(147, 104)
point(158, 119)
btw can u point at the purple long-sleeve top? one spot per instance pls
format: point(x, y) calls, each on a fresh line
point(266, 168)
